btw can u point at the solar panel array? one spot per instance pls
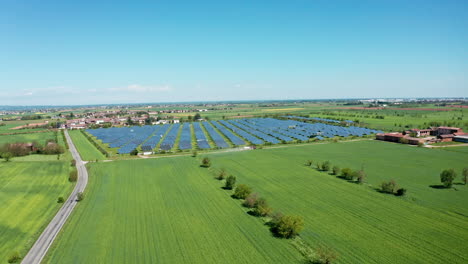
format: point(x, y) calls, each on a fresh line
point(238, 131)
point(202, 142)
point(169, 141)
point(217, 138)
point(242, 123)
point(234, 139)
point(185, 141)
point(151, 143)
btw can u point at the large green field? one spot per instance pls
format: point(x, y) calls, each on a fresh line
point(28, 198)
point(40, 138)
point(427, 226)
point(85, 148)
point(166, 210)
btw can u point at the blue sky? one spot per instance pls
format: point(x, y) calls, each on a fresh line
point(84, 52)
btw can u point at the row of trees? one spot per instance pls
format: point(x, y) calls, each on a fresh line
point(101, 149)
point(285, 226)
point(358, 176)
point(23, 149)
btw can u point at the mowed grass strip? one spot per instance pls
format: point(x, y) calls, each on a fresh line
point(87, 150)
point(166, 210)
point(28, 198)
point(363, 225)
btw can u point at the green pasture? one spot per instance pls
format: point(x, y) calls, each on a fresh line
point(28, 198)
point(429, 225)
point(166, 210)
point(85, 148)
point(41, 138)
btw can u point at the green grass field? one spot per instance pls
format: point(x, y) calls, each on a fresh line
point(28, 198)
point(41, 138)
point(427, 226)
point(166, 210)
point(85, 148)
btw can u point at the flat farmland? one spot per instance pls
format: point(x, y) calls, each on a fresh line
point(85, 148)
point(166, 210)
point(28, 198)
point(364, 226)
point(41, 138)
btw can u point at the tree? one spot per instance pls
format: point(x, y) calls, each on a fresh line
point(309, 163)
point(447, 177)
point(80, 197)
point(242, 191)
point(404, 140)
point(221, 175)
point(73, 163)
point(194, 153)
point(206, 162)
point(347, 173)
point(360, 176)
point(388, 187)
point(7, 156)
point(262, 208)
point(465, 175)
point(230, 182)
point(197, 117)
point(325, 255)
point(326, 166)
point(288, 226)
point(73, 177)
point(336, 170)
point(134, 152)
point(251, 200)
point(60, 200)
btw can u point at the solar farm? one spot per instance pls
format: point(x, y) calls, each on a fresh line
point(221, 134)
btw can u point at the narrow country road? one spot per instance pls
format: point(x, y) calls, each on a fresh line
point(43, 243)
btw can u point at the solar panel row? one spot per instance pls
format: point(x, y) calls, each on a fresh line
point(200, 136)
point(217, 138)
point(185, 141)
point(242, 133)
point(169, 141)
point(234, 139)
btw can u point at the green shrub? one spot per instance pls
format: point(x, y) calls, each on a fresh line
point(388, 187)
point(287, 226)
point(262, 208)
point(336, 170)
point(73, 177)
point(447, 177)
point(206, 162)
point(230, 182)
point(242, 191)
point(325, 166)
point(60, 200)
point(221, 175)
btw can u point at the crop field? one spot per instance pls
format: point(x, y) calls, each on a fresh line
point(28, 198)
point(429, 225)
point(85, 148)
point(41, 138)
point(222, 134)
point(166, 210)
point(9, 125)
point(395, 119)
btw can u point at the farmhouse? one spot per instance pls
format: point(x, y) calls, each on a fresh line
point(432, 135)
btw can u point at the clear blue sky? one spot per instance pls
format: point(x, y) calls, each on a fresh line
point(87, 52)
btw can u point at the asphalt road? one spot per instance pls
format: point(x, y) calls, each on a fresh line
point(43, 243)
